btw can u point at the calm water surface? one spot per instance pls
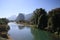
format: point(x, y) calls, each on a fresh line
point(26, 33)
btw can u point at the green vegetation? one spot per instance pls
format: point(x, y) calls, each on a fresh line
point(47, 21)
point(4, 27)
point(3, 21)
point(40, 18)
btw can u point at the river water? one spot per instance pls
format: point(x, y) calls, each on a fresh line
point(27, 33)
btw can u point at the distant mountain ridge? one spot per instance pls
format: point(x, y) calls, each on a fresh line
point(13, 17)
point(20, 17)
point(26, 17)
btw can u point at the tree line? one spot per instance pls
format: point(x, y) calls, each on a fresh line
point(47, 21)
point(4, 28)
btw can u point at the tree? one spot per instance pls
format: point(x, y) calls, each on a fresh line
point(54, 23)
point(40, 17)
point(42, 22)
point(4, 27)
point(36, 14)
point(3, 21)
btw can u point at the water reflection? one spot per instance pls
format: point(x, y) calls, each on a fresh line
point(40, 34)
point(17, 34)
point(21, 27)
point(27, 33)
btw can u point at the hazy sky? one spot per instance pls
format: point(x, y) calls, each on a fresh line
point(14, 7)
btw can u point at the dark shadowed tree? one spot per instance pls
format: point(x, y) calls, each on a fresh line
point(54, 20)
point(42, 22)
point(40, 18)
point(4, 27)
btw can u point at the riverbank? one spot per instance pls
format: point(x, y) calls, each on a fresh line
point(54, 35)
point(9, 38)
point(27, 24)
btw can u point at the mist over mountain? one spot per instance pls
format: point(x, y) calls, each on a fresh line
point(28, 17)
point(21, 16)
point(13, 17)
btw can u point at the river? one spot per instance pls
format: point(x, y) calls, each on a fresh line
point(27, 33)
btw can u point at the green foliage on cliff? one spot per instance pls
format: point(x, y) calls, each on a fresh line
point(40, 18)
point(3, 21)
point(54, 19)
point(50, 21)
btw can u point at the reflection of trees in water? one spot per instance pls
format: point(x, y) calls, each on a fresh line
point(40, 34)
point(21, 27)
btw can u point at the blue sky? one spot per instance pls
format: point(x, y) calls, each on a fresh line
point(14, 7)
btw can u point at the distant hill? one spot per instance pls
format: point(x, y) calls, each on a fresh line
point(28, 17)
point(20, 17)
point(13, 17)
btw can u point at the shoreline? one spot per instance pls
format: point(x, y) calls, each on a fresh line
point(9, 38)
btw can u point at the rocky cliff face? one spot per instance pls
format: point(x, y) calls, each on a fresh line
point(20, 17)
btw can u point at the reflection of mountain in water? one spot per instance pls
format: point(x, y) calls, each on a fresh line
point(20, 26)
